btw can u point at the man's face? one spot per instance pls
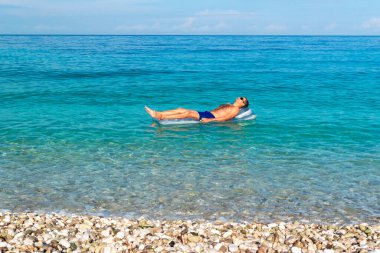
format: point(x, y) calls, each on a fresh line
point(241, 101)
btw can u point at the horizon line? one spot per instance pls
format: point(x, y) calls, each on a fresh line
point(293, 35)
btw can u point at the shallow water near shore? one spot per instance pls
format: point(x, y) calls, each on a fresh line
point(74, 136)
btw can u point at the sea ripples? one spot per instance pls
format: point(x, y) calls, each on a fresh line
point(74, 136)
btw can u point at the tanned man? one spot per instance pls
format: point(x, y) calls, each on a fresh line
point(224, 112)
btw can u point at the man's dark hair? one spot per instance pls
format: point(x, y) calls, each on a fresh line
point(246, 104)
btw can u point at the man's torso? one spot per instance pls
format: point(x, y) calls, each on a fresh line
point(223, 110)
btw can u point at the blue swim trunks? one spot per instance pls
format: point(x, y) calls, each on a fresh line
point(205, 115)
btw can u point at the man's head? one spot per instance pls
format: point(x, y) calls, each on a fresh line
point(242, 102)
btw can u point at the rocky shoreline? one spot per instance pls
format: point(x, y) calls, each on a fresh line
point(32, 232)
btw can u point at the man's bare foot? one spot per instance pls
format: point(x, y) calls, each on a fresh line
point(152, 113)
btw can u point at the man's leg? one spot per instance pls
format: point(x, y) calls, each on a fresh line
point(173, 112)
point(179, 113)
point(182, 115)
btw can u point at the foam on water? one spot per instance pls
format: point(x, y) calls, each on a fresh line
point(74, 136)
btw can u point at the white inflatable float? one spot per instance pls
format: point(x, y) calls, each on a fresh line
point(244, 114)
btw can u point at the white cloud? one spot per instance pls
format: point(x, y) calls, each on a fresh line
point(276, 28)
point(330, 27)
point(372, 23)
point(225, 14)
point(211, 28)
point(188, 22)
point(137, 28)
point(43, 28)
point(213, 21)
point(128, 28)
point(201, 22)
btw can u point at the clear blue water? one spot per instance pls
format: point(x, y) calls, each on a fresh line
point(74, 136)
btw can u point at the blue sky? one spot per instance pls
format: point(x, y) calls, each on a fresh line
point(247, 17)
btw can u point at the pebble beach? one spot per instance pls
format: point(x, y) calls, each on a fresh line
point(34, 232)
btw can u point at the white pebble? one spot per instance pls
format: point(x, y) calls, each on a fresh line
point(105, 233)
point(296, 250)
point(64, 243)
point(227, 234)
point(131, 239)
point(85, 237)
point(136, 232)
point(159, 249)
point(120, 235)
point(184, 248)
point(107, 250)
point(3, 244)
point(233, 248)
point(11, 232)
point(237, 241)
point(198, 248)
point(215, 231)
point(65, 232)
point(89, 223)
point(36, 225)
point(28, 242)
point(18, 235)
point(60, 223)
point(83, 227)
point(108, 240)
point(7, 219)
point(243, 247)
point(46, 237)
point(328, 251)
point(218, 246)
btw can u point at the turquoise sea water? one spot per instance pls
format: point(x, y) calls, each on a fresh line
point(74, 136)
